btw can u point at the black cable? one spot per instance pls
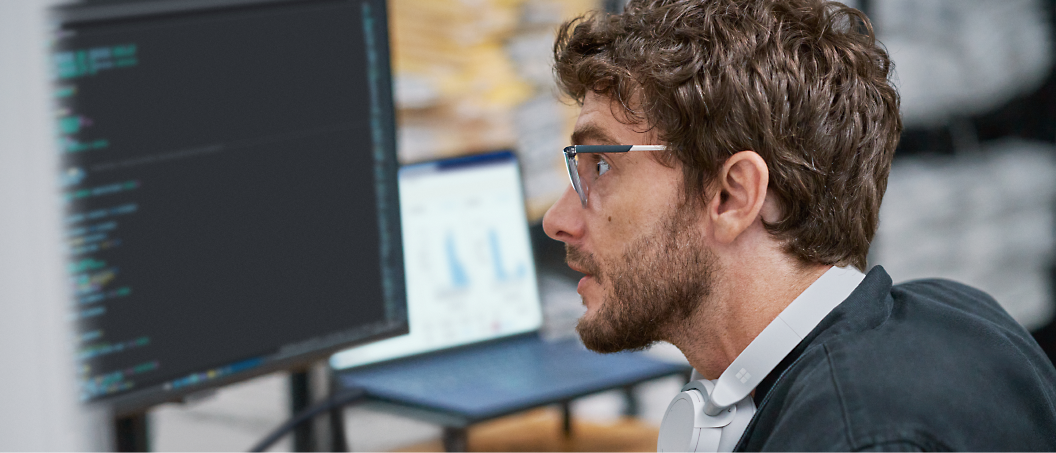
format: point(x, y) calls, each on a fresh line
point(341, 399)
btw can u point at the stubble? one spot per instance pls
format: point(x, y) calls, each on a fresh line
point(661, 278)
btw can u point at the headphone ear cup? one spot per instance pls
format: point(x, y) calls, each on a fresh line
point(686, 427)
point(678, 430)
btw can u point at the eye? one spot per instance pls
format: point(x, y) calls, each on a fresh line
point(603, 167)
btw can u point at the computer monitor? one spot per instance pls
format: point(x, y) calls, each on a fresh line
point(469, 270)
point(231, 187)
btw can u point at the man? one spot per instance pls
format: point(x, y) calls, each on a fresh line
point(780, 125)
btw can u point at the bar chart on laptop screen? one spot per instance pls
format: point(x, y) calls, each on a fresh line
point(468, 259)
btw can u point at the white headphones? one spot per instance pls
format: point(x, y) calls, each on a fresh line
point(712, 415)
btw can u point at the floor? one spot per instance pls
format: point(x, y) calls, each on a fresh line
point(541, 430)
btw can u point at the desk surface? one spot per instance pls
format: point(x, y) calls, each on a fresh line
point(541, 430)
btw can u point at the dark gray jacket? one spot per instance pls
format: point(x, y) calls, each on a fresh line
point(925, 365)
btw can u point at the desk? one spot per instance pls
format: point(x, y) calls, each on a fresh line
point(542, 430)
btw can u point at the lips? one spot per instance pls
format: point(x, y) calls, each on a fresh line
point(578, 269)
point(587, 277)
point(583, 263)
point(582, 284)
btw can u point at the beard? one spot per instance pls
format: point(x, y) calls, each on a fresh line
point(660, 280)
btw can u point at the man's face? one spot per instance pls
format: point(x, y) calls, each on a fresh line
point(637, 240)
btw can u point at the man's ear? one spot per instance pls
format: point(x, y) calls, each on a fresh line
point(740, 191)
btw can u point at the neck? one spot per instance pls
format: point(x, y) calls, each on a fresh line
point(744, 300)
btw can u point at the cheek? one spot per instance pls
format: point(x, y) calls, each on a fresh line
point(616, 224)
point(622, 208)
point(614, 217)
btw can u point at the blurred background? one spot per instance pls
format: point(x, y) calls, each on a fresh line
point(971, 194)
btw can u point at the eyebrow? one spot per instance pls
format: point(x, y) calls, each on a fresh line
point(592, 132)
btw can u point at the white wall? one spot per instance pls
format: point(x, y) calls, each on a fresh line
point(38, 406)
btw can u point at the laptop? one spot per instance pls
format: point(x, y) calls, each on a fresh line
point(474, 349)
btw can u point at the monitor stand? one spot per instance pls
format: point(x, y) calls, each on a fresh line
point(300, 399)
point(309, 386)
point(132, 433)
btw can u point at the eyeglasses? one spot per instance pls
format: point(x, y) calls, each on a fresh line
point(583, 175)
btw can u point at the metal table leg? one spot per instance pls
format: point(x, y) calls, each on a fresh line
point(456, 439)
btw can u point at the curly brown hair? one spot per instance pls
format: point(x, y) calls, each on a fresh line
point(803, 83)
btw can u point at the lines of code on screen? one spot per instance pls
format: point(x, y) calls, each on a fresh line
point(222, 186)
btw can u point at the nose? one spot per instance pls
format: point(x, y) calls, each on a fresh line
point(564, 220)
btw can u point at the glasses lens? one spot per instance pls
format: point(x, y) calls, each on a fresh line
point(572, 162)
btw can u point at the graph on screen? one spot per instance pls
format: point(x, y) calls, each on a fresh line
point(469, 269)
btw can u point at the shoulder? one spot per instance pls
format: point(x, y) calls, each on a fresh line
point(957, 298)
point(939, 366)
point(940, 322)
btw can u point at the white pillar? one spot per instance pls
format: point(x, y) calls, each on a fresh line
point(38, 399)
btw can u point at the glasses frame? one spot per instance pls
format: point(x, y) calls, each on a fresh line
point(572, 162)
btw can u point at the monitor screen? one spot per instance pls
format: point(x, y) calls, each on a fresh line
point(469, 268)
point(231, 187)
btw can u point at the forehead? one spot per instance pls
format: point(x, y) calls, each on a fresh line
point(604, 122)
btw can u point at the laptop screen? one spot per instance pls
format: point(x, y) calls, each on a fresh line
point(468, 258)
